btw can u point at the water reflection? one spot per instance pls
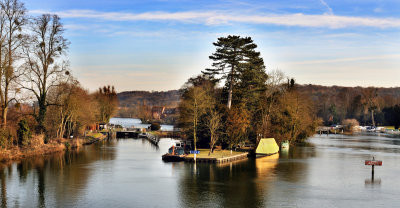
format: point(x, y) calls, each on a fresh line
point(41, 184)
point(152, 145)
point(244, 183)
point(266, 165)
point(51, 176)
point(220, 185)
point(373, 182)
point(3, 188)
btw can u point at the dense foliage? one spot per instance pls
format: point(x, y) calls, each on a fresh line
point(252, 104)
point(23, 133)
point(108, 102)
point(369, 106)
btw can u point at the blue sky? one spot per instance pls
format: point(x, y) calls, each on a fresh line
point(158, 45)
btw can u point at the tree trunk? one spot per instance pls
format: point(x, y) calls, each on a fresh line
point(230, 97)
point(372, 117)
point(212, 143)
point(5, 105)
point(42, 115)
point(230, 90)
point(4, 116)
point(195, 125)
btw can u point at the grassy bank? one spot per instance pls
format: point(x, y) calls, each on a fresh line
point(92, 138)
point(217, 154)
point(37, 146)
point(166, 134)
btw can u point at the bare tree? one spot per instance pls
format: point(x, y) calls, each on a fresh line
point(75, 109)
point(194, 104)
point(12, 20)
point(214, 123)
point(45, 63)
point(275, 86)
point(370, 100)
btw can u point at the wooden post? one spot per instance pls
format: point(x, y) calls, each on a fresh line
point(373, 167)
point(372, 174)
point(373, 162)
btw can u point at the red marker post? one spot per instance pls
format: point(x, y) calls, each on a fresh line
point(373, 162)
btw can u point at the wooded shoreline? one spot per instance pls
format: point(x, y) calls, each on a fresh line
point(41, 149)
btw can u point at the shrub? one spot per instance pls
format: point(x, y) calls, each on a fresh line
point(5, 138)
point(23, 132)
point(349, 124)
point(155, 126)
point(67, 145)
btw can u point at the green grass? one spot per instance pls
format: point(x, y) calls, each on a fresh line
point(153, 133)
point(217, 154)
point(95, 135)
point(389, 127)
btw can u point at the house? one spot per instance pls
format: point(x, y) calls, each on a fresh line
point(157, 112)
point(96, 126)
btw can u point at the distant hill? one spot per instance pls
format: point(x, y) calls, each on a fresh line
point(154, 98)
point(139, 104)
point(319, 90)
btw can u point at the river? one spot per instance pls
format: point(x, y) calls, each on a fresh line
point(328, 172)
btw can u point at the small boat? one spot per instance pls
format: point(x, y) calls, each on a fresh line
point(175, 154)
point(285, 145)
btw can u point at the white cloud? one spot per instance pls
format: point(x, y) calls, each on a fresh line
point(221, 18)
point(330, 11)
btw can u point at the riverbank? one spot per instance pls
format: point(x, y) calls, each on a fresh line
point(39, 148)
point(167, 134)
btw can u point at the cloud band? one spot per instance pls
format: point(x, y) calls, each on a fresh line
point(222, 18)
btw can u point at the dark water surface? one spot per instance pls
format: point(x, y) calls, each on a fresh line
point(328, 172)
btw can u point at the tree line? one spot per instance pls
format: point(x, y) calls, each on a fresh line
point(38, 94)
point(237, 101)
point(368, 105)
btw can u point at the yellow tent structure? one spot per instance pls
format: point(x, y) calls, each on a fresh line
point(267, 146)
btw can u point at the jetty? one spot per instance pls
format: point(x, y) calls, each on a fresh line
point(127, 134)
point(217, 156)
point(154, 139)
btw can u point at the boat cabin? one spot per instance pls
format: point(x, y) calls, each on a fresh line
point(176, 150)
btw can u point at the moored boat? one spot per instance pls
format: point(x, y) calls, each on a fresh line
point(285, 145)
point(175, 154)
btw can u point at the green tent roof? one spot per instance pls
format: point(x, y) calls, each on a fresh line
point(267, 146)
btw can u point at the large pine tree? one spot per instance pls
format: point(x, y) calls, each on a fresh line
point(235, 57)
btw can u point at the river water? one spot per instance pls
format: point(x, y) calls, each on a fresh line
point(328, 172)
